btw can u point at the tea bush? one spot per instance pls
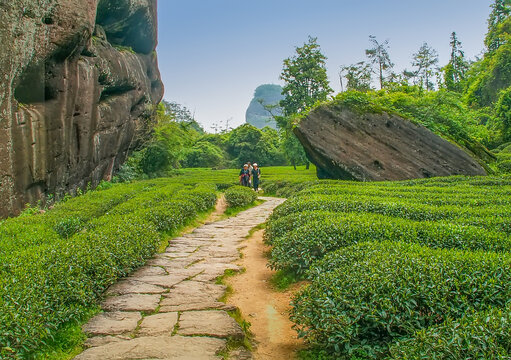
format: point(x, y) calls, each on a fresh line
point(479, 335)
point(240, 196)
point(301, 247)
point(364, 297)
point(55, 266)
point(398, 263)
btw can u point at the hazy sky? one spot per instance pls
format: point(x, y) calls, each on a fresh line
point(214, 53)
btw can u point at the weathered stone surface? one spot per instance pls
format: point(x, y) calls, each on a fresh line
point(190, 286)
point(73, 100)
point(212, 323)
point(112, 323)
point(128, 286)
point(157, 347)
point(159, 324)
point(131, 302)
point(167, 281)
point(372, 147)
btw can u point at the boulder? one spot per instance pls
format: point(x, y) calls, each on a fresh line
point(78, 83)
point(348, 145)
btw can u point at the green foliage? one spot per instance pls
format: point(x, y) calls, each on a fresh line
point(240, 196)
point(358, 76)
point(305, 77)
point(455, 70)
point(389, 261)
point(425, 61)
point(203, 154)
point(379, 57)
point(366, 296)
point(156, 158)
point(247, 143)
point(55, 266)
point(477, 335)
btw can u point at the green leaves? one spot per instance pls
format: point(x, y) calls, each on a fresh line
point(240, 196)
point(413, 266)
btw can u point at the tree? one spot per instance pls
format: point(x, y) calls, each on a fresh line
point(305, 77)
point(379, 57)
point(424, 61)
point(501, 9)
point(456, 69)
point(358, 76)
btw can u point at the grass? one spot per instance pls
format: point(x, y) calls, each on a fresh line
point(282, 280)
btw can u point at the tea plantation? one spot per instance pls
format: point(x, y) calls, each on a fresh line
point(55, 265)
point(404, 270)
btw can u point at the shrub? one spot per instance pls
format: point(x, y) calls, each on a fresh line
point(55, 266)
point(298, 249)
point(239, 196)
point(68, 227)
point(480, 335)
point(364, 297)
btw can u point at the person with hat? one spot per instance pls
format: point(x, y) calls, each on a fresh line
point(256, 177)
point(245, 176)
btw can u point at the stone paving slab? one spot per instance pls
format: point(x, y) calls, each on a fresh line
point(157, 347)
point(158, 324)
point(210, 323)
point(179, 290)
point(112, 323)
point(131, 302)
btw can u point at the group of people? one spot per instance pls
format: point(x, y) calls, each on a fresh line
point(250, 176)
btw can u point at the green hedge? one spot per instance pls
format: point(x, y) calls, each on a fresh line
point(480, 335)
point(298, 249)
point(364, 297)
point(55, 266)
point(240, 196)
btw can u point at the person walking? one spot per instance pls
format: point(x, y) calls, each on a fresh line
point(250, 169)
point(256, 177)
point(245, 176)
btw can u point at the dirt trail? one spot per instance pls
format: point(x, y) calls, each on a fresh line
point(266, 309)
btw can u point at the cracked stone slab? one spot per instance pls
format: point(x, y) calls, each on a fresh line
point(158, 324)
point(157, 347)
point(149, 271)
point(193, 292)
point(132, 302)
point(112, 323)
point(103, 340)
point(166, 281)
point(210, 305)
point(209, 323)
point(132, 286)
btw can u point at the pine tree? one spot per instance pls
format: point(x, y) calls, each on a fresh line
point(380, 58)
point(455, 70)
point(424, 61)
point(501, 9)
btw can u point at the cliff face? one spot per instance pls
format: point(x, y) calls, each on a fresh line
point(373, 147)
point(78, 83)
point(264, 95)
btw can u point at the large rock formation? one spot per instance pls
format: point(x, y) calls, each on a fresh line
point(257, 114)
point(78, 83)
point(370, 147)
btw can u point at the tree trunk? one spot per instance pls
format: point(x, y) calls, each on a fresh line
point(307, 165)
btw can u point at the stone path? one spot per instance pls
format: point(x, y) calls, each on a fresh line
point(170, 308)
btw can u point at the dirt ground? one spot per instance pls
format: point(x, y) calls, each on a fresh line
point(261, 305)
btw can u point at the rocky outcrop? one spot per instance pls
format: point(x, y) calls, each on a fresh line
point(371, 147)
point(78, 83)
point(265, 95)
